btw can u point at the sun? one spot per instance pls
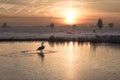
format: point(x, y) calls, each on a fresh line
point(70, 16)
point(70, 19)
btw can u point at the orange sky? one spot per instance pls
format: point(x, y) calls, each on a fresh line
point(43, 12)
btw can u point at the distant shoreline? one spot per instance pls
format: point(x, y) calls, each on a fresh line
point(61, 34)
point(96, 39)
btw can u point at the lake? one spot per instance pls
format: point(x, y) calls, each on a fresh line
point(59, 61)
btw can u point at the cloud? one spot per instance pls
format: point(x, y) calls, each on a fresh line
point(43, 7)
point(15, 2)
point(105, 6)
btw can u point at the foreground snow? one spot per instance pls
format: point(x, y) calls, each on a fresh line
point(61, 34)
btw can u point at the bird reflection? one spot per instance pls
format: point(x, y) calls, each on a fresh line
point(42, 55)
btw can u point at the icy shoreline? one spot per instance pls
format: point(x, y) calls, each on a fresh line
point(59, 37)
point(80, 34)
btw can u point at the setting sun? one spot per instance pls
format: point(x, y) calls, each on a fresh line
point(70, 16)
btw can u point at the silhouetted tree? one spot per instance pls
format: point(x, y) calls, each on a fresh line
point(100, 23)
point(94, 31)
point(52, 25)
point(111, 24)
point(4, 25)
point(74, 26)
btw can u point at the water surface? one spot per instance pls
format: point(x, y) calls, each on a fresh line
point(60, 61)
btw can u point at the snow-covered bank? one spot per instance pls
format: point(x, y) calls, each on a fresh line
point(81, 34)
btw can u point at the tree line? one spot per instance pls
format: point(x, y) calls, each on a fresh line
point(100, 24)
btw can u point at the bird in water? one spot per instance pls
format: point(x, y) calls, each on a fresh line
point(41, 47)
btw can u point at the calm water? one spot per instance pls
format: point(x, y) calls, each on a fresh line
point(61, 61)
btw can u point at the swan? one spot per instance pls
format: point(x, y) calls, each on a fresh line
point(41, 47)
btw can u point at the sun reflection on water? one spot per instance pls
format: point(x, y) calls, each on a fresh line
point(63, 61)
